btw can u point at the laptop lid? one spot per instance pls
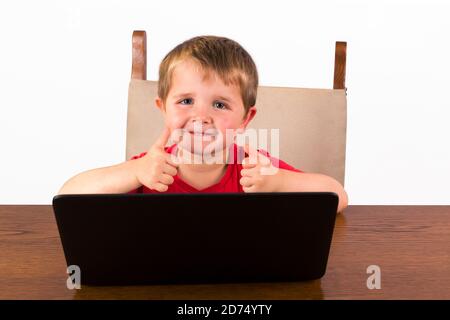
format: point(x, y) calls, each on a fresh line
point(126, 239)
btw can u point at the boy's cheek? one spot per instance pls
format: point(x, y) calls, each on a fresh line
point(174, 122)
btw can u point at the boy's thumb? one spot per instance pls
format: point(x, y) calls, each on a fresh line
point(163, 138)
point(250, 150)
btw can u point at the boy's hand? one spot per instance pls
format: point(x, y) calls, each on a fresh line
point(258, 173)
point(156, 169)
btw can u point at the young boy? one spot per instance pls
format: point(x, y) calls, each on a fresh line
point(206, 92)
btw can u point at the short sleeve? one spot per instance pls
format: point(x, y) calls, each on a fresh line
point(138, 156)
point(284, 165)
point(279, 163)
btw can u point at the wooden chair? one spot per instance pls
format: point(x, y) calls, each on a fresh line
point(312, 122)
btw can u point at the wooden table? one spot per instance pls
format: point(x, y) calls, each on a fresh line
point(410, 244)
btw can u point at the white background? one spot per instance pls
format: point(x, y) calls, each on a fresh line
point(65, 68)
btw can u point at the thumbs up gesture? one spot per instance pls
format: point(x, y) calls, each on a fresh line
point(157, 168)
point(258, 174)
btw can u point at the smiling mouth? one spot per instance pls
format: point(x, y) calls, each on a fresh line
point(201, 133)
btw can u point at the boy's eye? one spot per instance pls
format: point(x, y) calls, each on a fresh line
point(219, 105)
point(216, 104)
point(186, 101)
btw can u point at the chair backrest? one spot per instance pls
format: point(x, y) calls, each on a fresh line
point(312, 122)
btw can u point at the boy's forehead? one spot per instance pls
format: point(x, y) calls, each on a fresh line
point(188, 71)
point(189, 75)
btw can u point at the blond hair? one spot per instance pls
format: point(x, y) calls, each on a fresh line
point(225, 57)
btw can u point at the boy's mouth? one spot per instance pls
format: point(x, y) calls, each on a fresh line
point(198, 129)
point(200, 134)
point(208, 132)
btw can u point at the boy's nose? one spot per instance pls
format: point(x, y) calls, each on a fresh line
point(201, 120)
point(202, 116)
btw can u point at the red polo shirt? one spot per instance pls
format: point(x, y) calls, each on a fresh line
point(228, 183)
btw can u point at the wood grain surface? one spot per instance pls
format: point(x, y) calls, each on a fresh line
point(410, 244)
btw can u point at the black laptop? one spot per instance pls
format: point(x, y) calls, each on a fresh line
point(132, 239)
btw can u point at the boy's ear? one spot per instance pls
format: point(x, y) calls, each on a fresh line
point(250, 115)
point(160, 104)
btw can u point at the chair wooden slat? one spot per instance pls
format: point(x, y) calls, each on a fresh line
point(340, 59)
point(139, 56)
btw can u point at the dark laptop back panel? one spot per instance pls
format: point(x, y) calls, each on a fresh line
point(119, 239)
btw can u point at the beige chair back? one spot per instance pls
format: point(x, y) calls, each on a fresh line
point(312, 124)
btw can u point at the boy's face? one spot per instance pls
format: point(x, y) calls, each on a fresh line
point(196, 102)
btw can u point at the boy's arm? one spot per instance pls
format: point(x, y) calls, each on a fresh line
point(154, 168)
point(291, 181)
point(285, 178)
point(120, 178)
